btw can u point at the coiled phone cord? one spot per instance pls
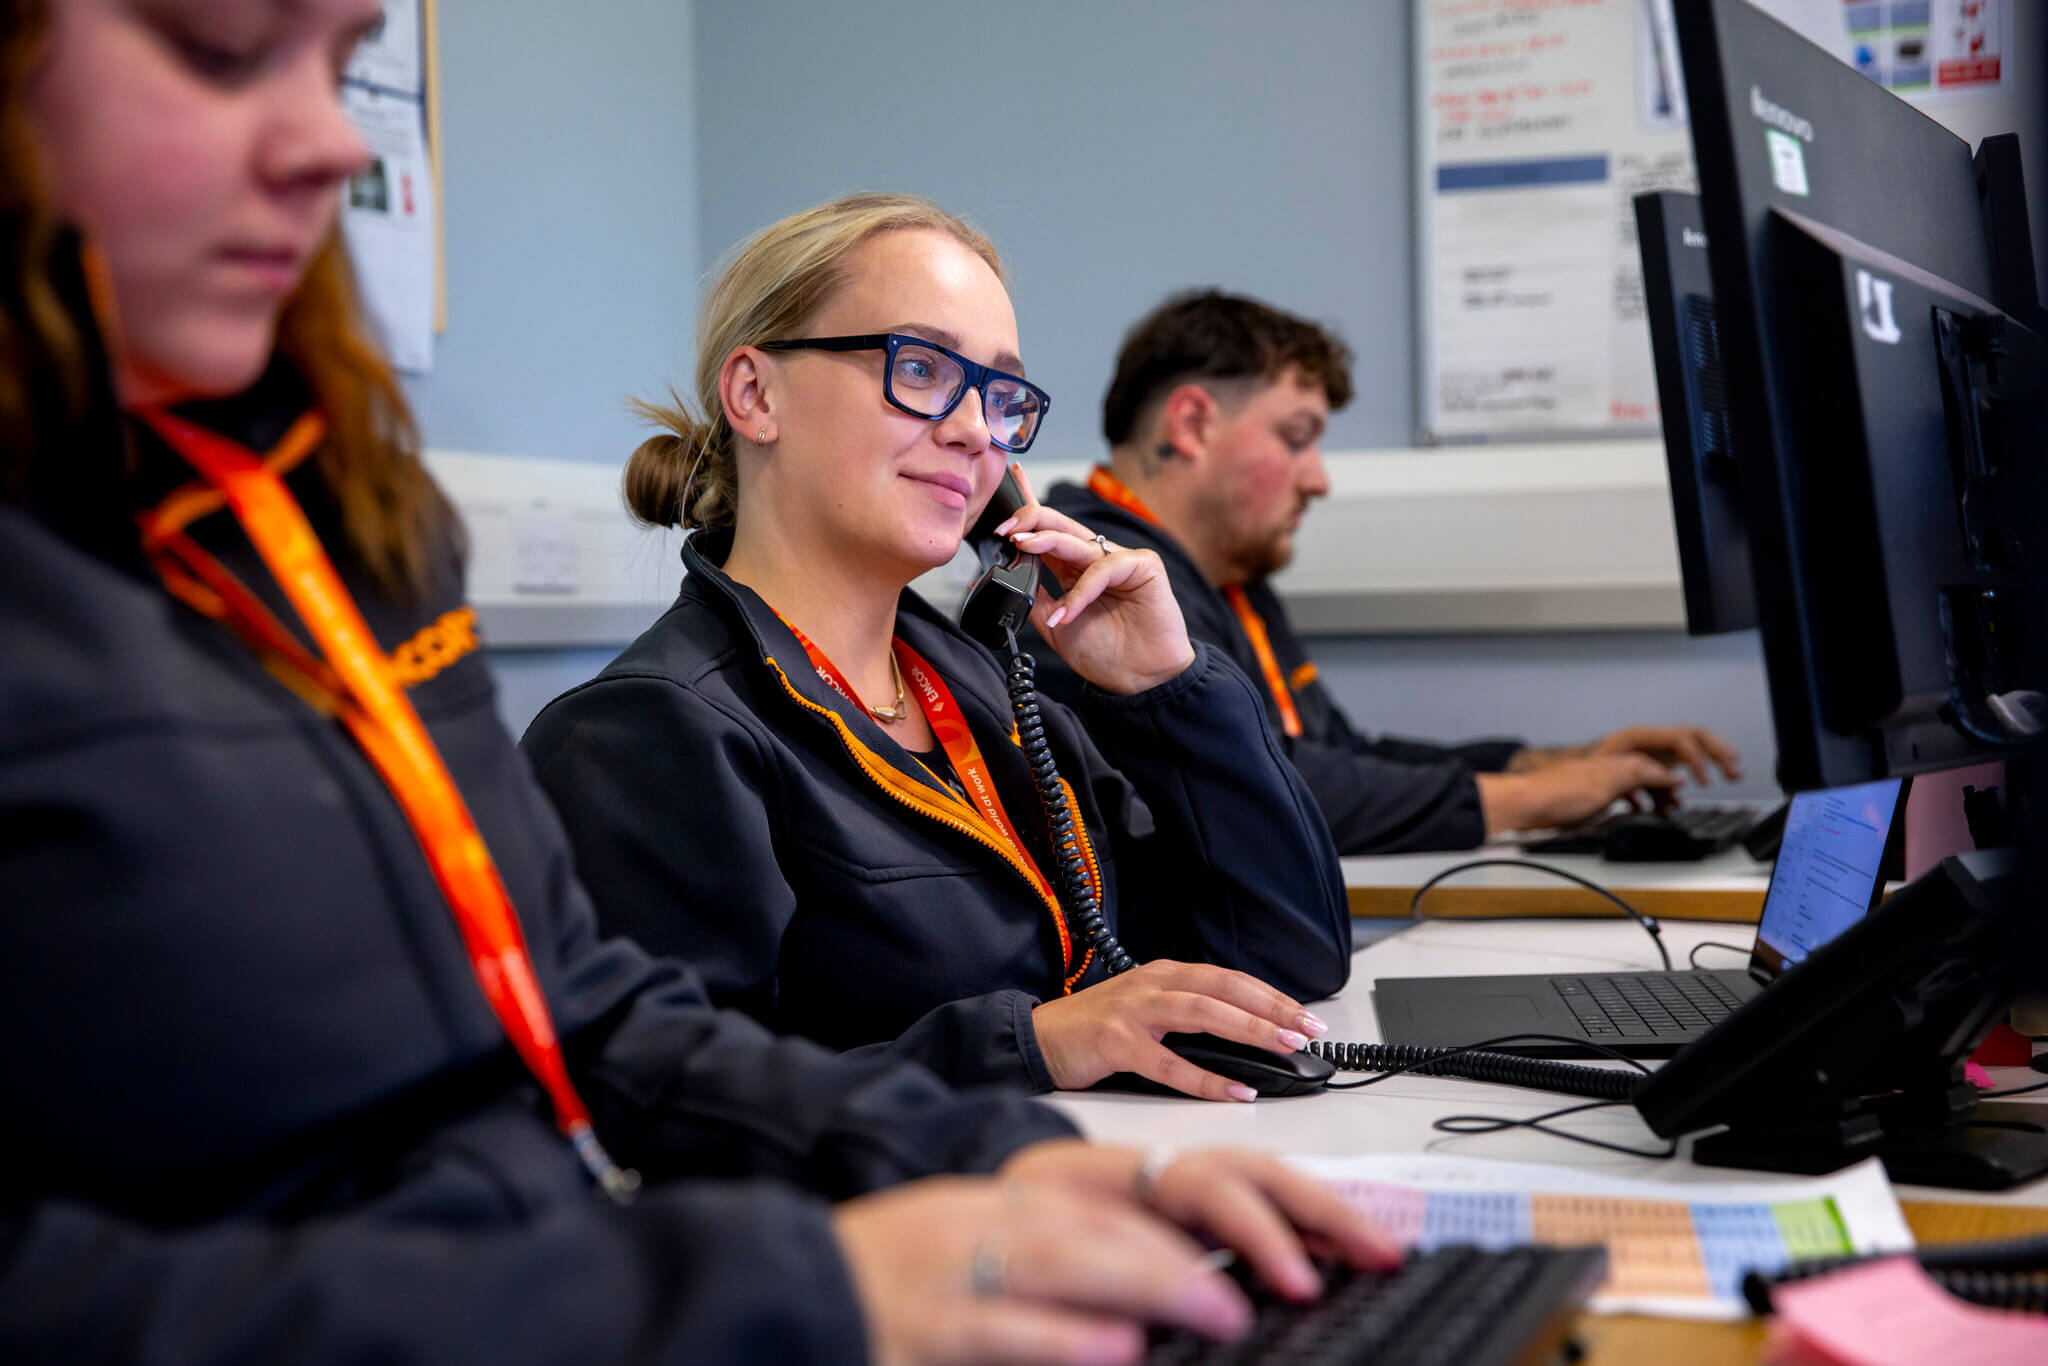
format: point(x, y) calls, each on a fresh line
point(1504, 1069)
point(1076, 889)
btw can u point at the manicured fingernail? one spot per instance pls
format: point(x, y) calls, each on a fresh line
point(1004, 529)
point(1295, 1041)
point(1312, 1025)
point(1026, 537)
point(1215, 1306)
point(1059, 614)
point(1302, 1281)
point(1239, 1091)
point(1114, 1344)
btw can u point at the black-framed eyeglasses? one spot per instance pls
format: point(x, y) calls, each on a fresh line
point(928, 380)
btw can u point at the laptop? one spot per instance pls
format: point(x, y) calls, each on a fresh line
point(1828, 875)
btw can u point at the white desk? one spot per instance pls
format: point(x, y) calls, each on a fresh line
point(1395, 1116)
point(1728, 886)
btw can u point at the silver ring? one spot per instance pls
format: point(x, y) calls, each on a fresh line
point(1102, 543)
point(1157, 1159)
point(988, 1271)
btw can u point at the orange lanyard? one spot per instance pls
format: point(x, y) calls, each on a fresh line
point(950, 728)
point(1109, 488)
point(350, 679)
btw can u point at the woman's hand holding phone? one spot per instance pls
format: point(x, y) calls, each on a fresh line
point(1117, 625)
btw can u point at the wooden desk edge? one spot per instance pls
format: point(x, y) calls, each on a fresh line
point(1665, 903)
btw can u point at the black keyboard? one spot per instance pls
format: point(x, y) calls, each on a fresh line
point(1633, 1004)
point(1455, 1306)
point(1693, 831)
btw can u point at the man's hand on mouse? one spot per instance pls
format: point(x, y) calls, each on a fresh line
point(1116, 1025)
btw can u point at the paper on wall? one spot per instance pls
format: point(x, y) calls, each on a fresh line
point(388, 208)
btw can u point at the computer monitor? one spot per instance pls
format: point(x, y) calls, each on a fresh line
point(1876, 307)
point(1706, 509)
point(1881, 341)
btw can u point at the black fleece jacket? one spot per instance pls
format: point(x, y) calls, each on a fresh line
point(256, 1107)
point(727, 805)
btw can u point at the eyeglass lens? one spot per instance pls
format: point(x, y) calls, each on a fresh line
point(929, 381)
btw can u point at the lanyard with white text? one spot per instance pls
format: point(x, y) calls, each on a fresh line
point(350, 678)
point(1111, 489)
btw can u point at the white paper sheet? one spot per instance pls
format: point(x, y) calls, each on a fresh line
point(388, 209)
point(1676, 1248)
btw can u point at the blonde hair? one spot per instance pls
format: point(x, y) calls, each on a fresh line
point(768, 288)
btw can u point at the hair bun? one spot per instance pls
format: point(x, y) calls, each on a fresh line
point(661, 470)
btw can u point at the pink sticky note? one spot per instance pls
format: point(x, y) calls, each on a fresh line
point(1977, 1076)
point(1890, 1314)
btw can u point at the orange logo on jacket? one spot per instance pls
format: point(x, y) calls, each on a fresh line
point(437, 646)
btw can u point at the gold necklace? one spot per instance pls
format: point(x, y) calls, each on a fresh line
point(902, 707)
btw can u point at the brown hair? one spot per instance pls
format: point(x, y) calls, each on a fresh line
point(1209, 335)
point(767, 289)
point(391, 512)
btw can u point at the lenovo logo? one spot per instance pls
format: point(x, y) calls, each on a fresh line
point(1778, 116)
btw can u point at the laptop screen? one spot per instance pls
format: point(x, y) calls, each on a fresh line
point(1827, 871)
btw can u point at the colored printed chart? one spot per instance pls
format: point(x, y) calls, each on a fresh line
point(1662, 1249)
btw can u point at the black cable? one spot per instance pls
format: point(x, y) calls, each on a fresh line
point(1083, 904)
point(1494, 1124)
point(1692, 960)
point(2006, 1273)
point(2014, 1091)
point(1436, 1063)
point(1473, 1064)
point(1650, 926)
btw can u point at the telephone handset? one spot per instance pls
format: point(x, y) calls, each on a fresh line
point(997, 605)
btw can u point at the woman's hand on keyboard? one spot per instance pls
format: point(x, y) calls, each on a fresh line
point(969, 1269)
point(1272, 1215)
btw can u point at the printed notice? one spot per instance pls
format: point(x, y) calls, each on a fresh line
point(388, 208)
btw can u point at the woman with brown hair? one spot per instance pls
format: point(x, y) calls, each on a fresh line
point(896, 869)
point(319, 1057)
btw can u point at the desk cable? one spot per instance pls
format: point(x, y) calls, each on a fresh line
point(1474, 1061)
point(1650, 926)
point(1692, 960)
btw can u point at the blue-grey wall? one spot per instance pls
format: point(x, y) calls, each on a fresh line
point(571, 222)
point(1120, 149)
point(1114, 149)
point(572, 256)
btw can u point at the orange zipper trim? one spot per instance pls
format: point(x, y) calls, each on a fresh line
point(919, 801)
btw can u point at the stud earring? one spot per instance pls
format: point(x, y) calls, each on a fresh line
point(762, 439)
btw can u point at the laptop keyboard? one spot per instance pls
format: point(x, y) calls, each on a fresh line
point(1637, 1004)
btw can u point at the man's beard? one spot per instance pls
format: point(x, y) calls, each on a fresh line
point(1258, 559)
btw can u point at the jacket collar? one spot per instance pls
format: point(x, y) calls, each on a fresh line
point(970, 671)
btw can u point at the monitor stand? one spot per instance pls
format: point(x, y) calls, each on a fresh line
point(1973, 1145)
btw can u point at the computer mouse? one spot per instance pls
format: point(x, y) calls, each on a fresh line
point(1266, 1072)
